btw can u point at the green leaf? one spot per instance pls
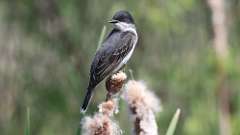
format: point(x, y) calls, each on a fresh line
point(173, 124)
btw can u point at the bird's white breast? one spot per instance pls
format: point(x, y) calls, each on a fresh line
point(125, 60)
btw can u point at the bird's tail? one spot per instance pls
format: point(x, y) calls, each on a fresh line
point(86, 99)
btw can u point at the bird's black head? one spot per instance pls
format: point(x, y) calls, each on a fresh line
point(122, 16)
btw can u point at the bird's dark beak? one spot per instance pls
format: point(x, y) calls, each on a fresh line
point(113, 21)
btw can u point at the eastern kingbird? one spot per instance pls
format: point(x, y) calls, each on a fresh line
point(114, 53)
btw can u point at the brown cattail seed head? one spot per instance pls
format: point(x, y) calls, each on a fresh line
point(107, 108)
point(99, 125)
point(143, 105)
point(115, 82)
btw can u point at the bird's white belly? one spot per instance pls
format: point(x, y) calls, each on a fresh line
point(125, 60)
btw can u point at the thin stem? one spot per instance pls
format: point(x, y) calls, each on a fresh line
point(103, 32)
point(131, 74)
point(27, 130)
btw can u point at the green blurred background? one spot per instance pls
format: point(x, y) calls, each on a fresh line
point(46, 48)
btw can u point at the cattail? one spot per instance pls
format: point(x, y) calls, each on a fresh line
point(102, 122)
point(109, 107)
point(115, 83)
point(143, 105)
point(100, 125)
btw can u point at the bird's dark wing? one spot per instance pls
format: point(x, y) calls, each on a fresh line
point(114, 50)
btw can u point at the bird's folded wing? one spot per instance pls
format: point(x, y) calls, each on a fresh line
point(108, 62)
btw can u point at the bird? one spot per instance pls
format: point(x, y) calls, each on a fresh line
point(115, 51)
